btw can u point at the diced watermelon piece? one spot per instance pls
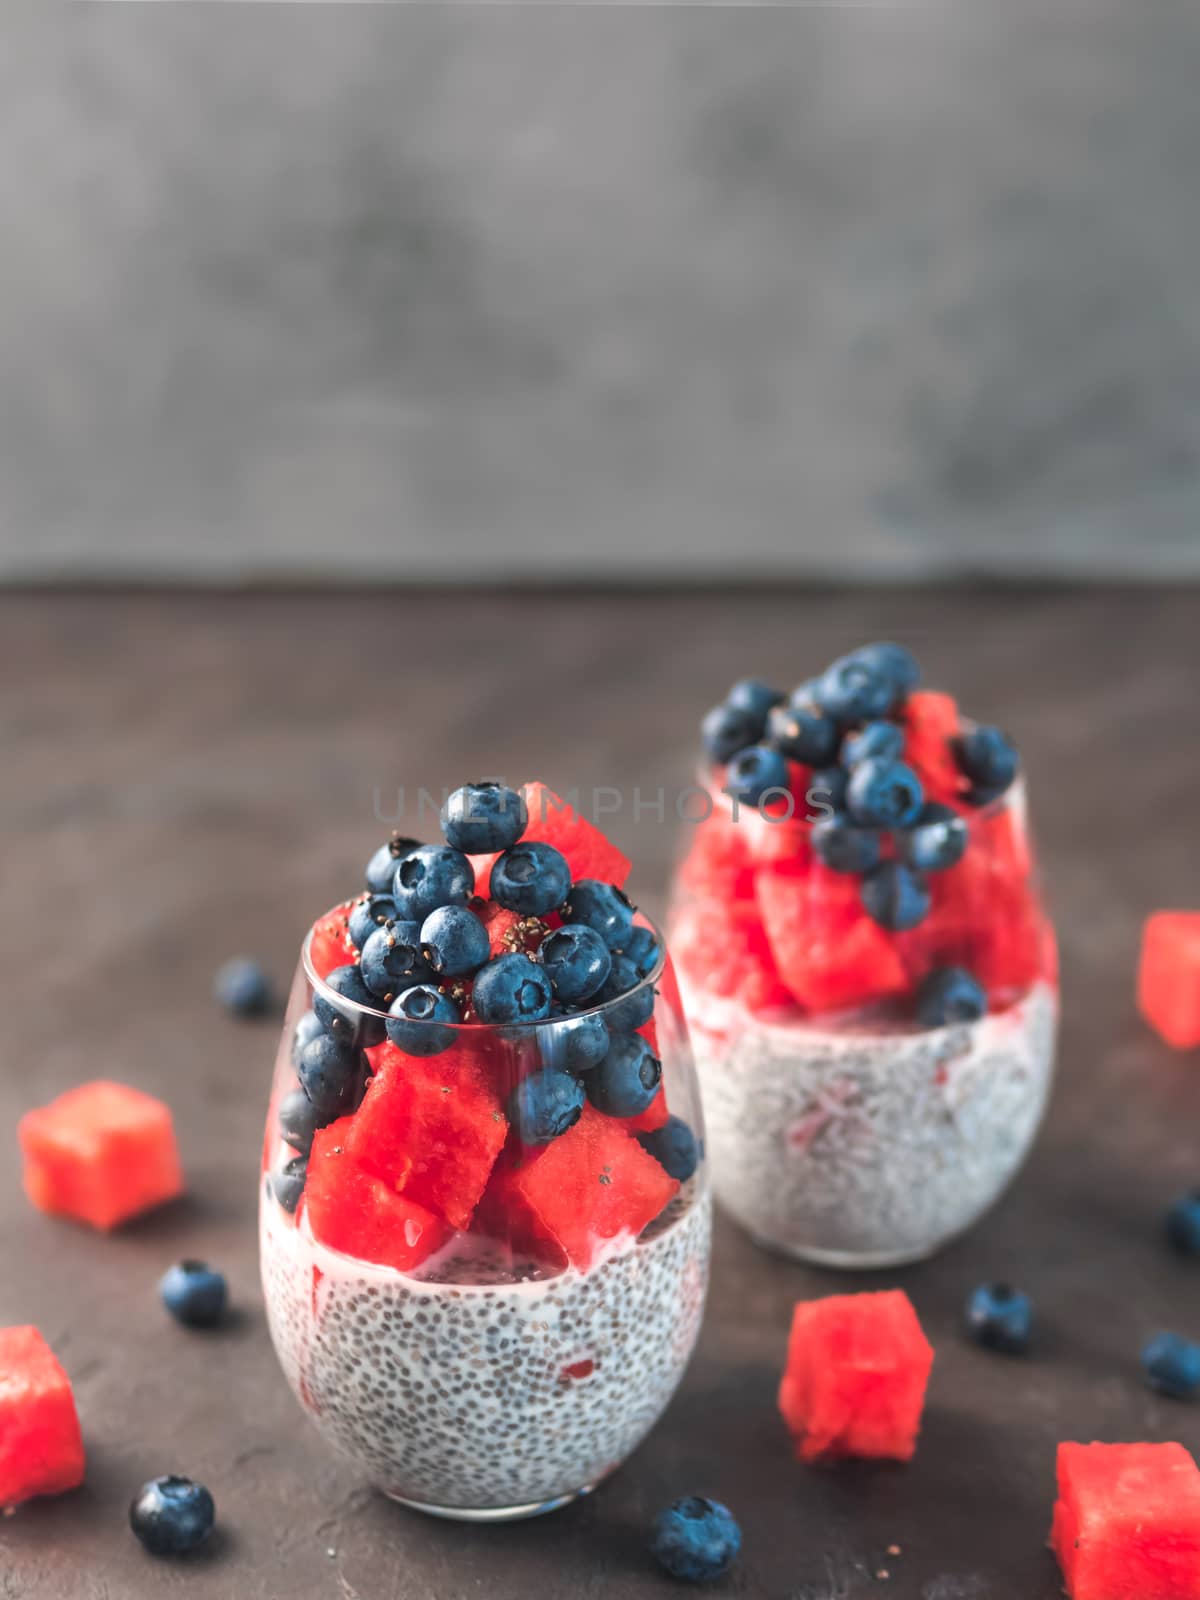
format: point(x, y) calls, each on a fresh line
point(508, 931)
point(1168, 984)
point(431, 1127)
point(717, 863)
point(41, 1448)
point(828, 952)
point(590, 1185)
point(931, 722)
point(101, 1153)
point(589, 853)
point(986, 917)
point(721, 946)
point(331, 945)
point(654, 1116)
point(1127, 1522)
point(854, 1384)
point(352, 1211)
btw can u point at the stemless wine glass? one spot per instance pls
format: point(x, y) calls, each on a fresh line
point(841, 1132)
point(487, 1327)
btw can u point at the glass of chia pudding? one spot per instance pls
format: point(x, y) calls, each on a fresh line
point(485, 1213)
point(868, 970)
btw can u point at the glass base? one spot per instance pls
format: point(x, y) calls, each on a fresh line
point(535, 1508)
point(850, 1260)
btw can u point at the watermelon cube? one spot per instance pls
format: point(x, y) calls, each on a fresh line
point(431, 1127)
point(555, 821)
point(41, 1449)
point(854, 1384)
point(828, 952)
point(101, 1153)
point(330, 944)
point(352, 1211)
point(594, 1183)
point(1127, 1522)
point(1168, 984)
point(931, 723)
point(717, 863)
point(721, 945)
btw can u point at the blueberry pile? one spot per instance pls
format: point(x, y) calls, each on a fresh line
point(575, 959)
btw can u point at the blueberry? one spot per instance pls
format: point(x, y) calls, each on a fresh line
point(298, 1121)
point(532, 878)
point(369, 913)
point(627, 998)
point(430, 876)
point(356, 1019)
point(194, 1294)
point(988, 758)
point(545, 1104)
point(827, 790)
point(876, 741)
point(755, 772)
point(937, 840)
point(172, 1515)
point(1171, 1364)
point(381, 869)
point(454, 942)
point(574, 1044)
point(601, 906)
point(307, 1028)
point(856, 689)
point(577, 962)
point(392, 960)
point(884, 794)
point(627, 1079)
point(696, 1539)
point(512, 988)
point(287, 1185)
point(243, 988)
point(949, 995)
point(803, 732)
point(674, 1147)
point(1183, 1224)
point(643, 950)
point(1000, 1317)
point(895, 662)
point(845, 848)
point(727, 729)
point(481, 817)
point(895, 895)
point(421, 1021)
point(755, 698)
point(331, 1071)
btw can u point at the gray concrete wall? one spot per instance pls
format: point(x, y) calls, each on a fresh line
point(372, 290)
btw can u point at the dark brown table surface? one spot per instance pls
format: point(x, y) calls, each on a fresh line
point(190, 777)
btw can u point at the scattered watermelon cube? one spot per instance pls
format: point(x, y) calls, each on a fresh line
point(41, 1449)
point(592, 1184)
point(352, 1211)
point(330, 945)
point(101, 1153)
point(1127, 1522)
point(1168, 984)
point(854, 1384)
point(431, 1127)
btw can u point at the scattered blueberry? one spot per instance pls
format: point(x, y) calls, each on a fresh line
point(845, 848)
point(298, 1121)
point(827, 790)
point(172, 1515)
point(601, 906)
point(574, 1044)
point(357, 1018)
point(482, 817)
point(754, 697)
point(876, 741)
point(1183, 1224)
point(421, 1021)
point(988, 758)
point(331, 1072)
point(392, 960)
point(512, 988)
point(627, 998)
point(243, 988)
point(307, 1028)
point(754, 772)
point(727, 729)
point(454, 942)
point(532, 878)
point(194, 1294)
point(895, 662)
point(577, 961)
point(1000, 1317)
point(937, 840)
point(803, 732)
point(1171, 1364)
point(856, 689)
point(545, 1104)
point(287, 1185)
point(627, 1079)
point(949, 995)
point(884, 794)
point(696, 1539)
point(429, 876)
point(674, 1147)
point(895, 895)
point(369, 913)
point(643, 950)
point(381, 869)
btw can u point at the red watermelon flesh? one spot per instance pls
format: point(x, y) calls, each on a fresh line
point(654, 1116)
point(985, 917)
point(931, 722)
point(331, 945)
point(41, 1448)
point(590, 1185)
point(589, 853)
point(717, 863)
point(431, 1127)
point(508, 931)
point(1127, 1522)
point(722, 947)
point(828, 952)
point(358, 1214)
point(855, 1379)
point(1168, 984)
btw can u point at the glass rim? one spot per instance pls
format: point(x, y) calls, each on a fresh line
point(353, 1008)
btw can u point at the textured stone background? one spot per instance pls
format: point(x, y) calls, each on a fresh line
point(486, 291)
